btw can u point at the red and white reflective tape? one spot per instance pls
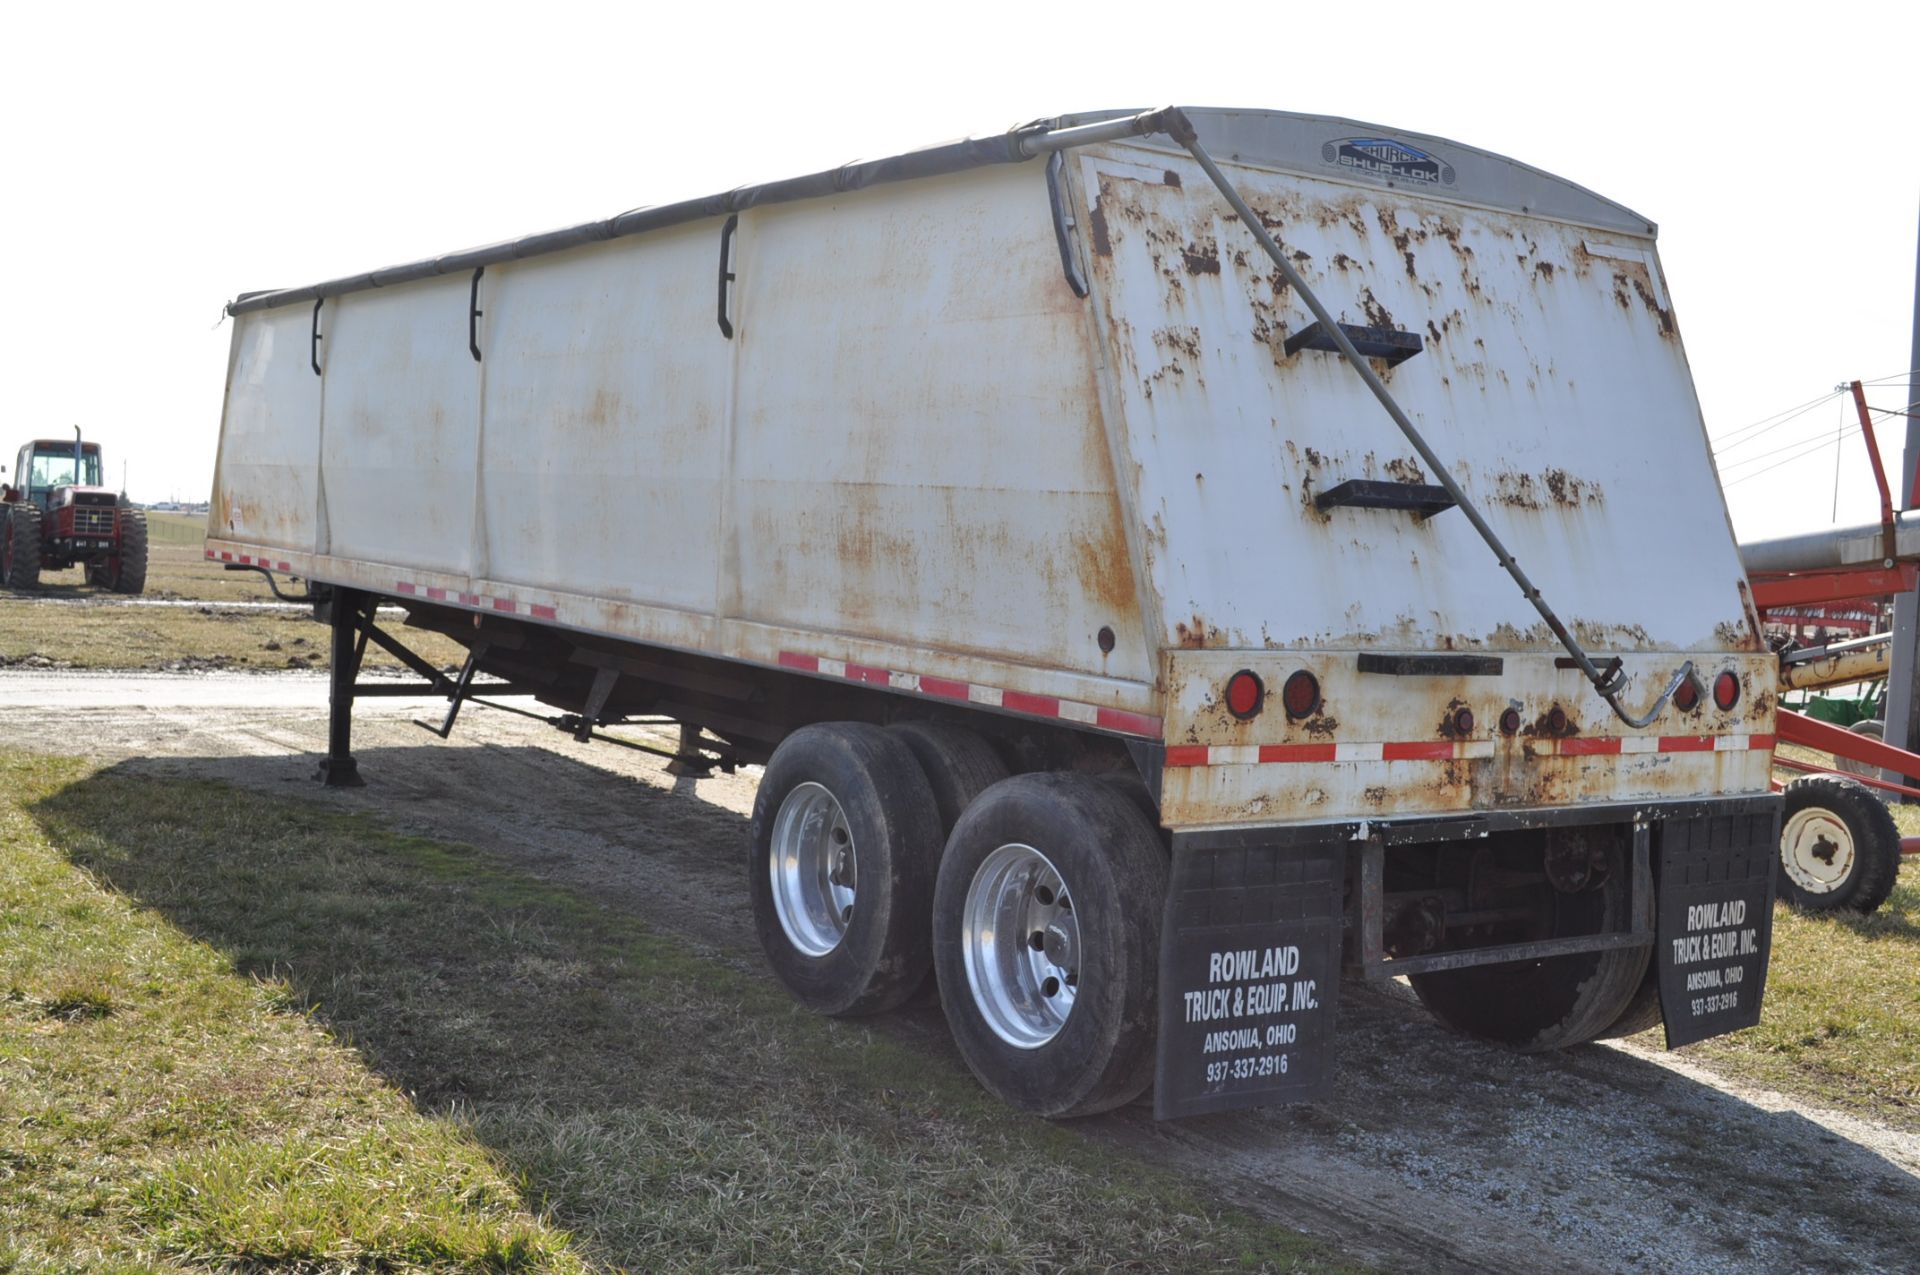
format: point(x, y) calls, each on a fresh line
point(477, 601)
point(1113, 719)
point(247, 560)
point(1452, 750)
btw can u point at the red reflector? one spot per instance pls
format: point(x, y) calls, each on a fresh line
point(1245, 692)
point(1510, 721)
point(1557, 721)
point(1726, 691)
point(1687, 697)
point(1463, 721)
point(1301, 694)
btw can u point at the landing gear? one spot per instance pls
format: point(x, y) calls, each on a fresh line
point(338, 768)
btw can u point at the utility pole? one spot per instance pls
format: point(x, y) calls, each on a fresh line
point(1903, 688)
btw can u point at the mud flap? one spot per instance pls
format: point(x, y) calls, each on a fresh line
point(1249, 973)
point(1715, 922)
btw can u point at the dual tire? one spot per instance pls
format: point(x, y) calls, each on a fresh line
point(1044, 894)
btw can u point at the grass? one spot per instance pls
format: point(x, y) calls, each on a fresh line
point(213, 636)
point(241, 1033)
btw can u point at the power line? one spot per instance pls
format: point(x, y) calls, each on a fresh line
point(1747, 433)
point(1817, 448)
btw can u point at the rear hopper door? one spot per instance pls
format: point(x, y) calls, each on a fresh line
point(1549, 376)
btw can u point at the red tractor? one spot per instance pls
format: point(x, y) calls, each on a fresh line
point(57, 514)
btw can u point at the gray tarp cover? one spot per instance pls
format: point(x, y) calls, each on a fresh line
point(934, 161)
point(1283, 139)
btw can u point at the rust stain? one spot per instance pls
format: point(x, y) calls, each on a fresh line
point(1196, 635)
point(1377, 314)
point(1341, 261)
point(1103, 569)
point(1646, 295)
point(1405, 470)
point(1181, 340)
point(1572, 492)
point(1544, 269)
point(1515, 491)
point(1201, 259)
point(1170, 178)
point(1321, 726)
point(1097, 218)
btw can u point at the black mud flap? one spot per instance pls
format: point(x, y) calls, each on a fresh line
point(1249, 973)
point(1716, 921)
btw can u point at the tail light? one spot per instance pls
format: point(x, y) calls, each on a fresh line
point(1301, 695)
point(1463, 721)
point(1686, 696)
point(1726, 691)
point(1510, 722)
point(1246, 694)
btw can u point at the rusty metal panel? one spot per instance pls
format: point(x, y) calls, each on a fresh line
point(1378, 745)
point(266, 484)
point(400, 426)
point(1552, 381)
point(919, 454)
point(606, 392)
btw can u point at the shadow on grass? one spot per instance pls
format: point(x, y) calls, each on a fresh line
point(663, 1104)
point(662, 1098)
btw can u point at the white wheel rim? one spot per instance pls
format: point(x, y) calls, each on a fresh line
point(1021, 943)
point(1816, 848)
point(812, 869)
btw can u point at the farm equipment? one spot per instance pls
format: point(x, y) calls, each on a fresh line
point(1130, 635)
point(57, 515)
point(1839, 847)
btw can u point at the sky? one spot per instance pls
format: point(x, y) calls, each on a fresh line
point(160, 159)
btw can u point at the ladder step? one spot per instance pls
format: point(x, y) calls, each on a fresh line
point(1390, 344)
point(1424, 499)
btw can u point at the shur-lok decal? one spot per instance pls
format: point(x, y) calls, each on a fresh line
point(1385, 158)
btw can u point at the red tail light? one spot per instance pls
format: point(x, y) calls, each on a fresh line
point(1510, 722)
point(1686, 696)
point(1726, 691)
point(1246, 694)
point(1301, 695)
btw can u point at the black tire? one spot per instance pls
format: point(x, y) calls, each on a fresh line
point(958, 764)
point(882, 951)
point(127, 571)
point(1642, 1012)
point(20, 546)
point(1534, 1006)
point(1112, 878)
point(1839, 847)
point(1129, 785)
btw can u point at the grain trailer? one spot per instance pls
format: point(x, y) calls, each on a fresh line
point(1162, 561)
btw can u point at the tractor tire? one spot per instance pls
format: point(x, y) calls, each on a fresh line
point(1557, 1002)
point(846, 841)
point(127, 570)
point(1046, 938)
point(1839, 848)
point(20, 547)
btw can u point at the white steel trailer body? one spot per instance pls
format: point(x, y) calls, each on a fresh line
point(1048, 445)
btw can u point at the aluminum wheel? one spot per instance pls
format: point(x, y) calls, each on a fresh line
point(813, 871)
point(1021, 944)
point(1816, 848)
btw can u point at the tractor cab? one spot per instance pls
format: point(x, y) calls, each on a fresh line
point(47, 465)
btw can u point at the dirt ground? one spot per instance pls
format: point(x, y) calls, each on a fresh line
point(1435, 1153)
